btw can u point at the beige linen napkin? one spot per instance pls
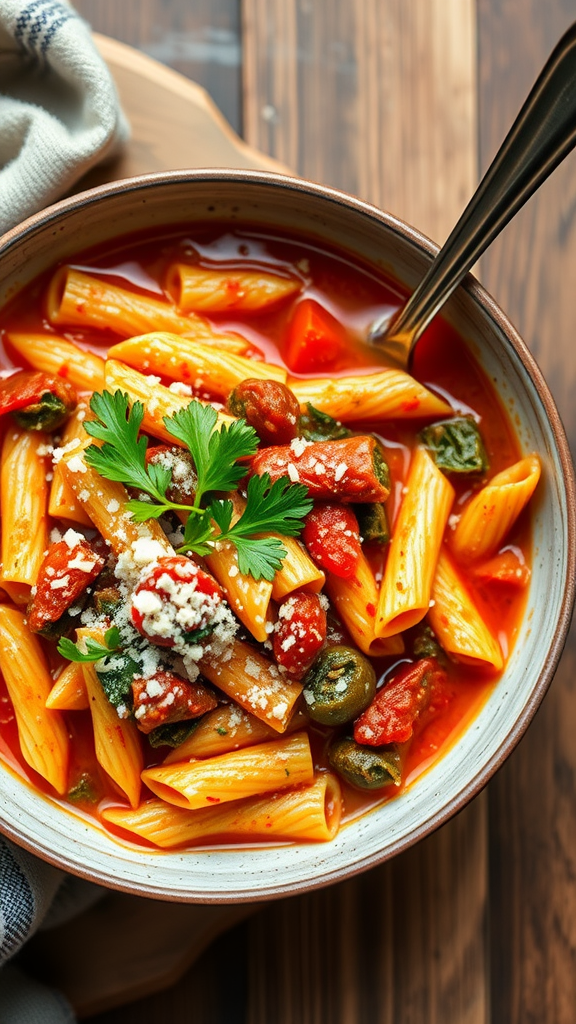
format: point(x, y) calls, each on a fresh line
point(59, 111)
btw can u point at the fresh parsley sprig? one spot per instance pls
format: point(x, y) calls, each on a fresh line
point(94, 651)
point(277, 508)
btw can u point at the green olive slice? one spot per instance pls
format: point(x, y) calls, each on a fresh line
point(339, 686)
point(366, 767)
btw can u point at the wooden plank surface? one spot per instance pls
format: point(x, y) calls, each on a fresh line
point(530, 271)
point(384, 98)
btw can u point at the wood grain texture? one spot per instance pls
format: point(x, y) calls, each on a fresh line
point(200, 39)
point(376, 97)
point(530, 271)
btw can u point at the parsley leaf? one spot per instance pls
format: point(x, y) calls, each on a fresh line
point(215, 452)
point(122, 457)
point(280, 507)
point(94, 649)
point(199, 536)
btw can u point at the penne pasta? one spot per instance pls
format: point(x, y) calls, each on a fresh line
point(388, 394)
point(83, 300)
point(416, 539)
point(309, 813)
point(248, 598)
point(57, 355)
point(491, 513)
point(262, 768)
point(69, 691)
point(116, 740)
point(63, 503)
point(228, 728)
point(24, 500)
point(298, 571)
point(158, 400)
point(255, 683)
point(457, 622)
point(42, 732)
point(208, 290)
point(205, 368)
point(356, 600)
point(104, 502)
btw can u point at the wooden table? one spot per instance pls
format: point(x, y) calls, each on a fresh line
point(404, 102)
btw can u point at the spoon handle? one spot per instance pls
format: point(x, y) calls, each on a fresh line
point(542, 135)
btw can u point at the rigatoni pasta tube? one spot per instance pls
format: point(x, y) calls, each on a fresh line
point(228, 728)
point(414, 548)
point(69, 691)
point(457, 622)
point(116, 740)
point(248, 598)
point(298, 571)
point(104, 502)
point(492, 512)
point(254, 683)
point(158, 400)
point(356, 601)
point(83, 300)
point(24, 500)
point(264, 768)
point(63, 503)
point(309, 813)
point(42, 733)
point(208, 290)
point(181, 359)
point(56, 355)
point(388, 394)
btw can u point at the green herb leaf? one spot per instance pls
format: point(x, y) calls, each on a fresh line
point(172, 734)
point(316, 425)
point(198, 532)
point(456, 445)
point(122, 457)
point(260, 557)
point(215, 452)
point(279, 507)
point(94, 649)
point(116, 679)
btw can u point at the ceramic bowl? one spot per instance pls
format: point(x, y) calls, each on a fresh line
point(178, 198)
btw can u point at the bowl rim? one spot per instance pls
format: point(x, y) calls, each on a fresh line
point(481, 297)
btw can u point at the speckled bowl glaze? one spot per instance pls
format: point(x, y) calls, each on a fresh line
point(178, 198)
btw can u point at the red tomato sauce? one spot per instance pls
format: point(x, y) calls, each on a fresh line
point(353, 296)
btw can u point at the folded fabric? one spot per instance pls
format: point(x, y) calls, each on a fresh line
point(34, 895)
point(59, 110)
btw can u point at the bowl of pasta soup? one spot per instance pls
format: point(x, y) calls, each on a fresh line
point(270, 610)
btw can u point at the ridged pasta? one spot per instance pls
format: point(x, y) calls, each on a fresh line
point(206, 368)
point(158, 400)
point(388, 394)
point(356, 601)
point(82, 300)
point(24, 501)
point(116, 740)
point(492, 512)
point(42, 733)
point(228, 728)
point(57, 355)
point(298, 571)
point(263, 768)
point(207, 290)
point(309, 813)
point(414, 548)
point(69, 691)
point(457, 622)
point(63, 503)
point(254, 683)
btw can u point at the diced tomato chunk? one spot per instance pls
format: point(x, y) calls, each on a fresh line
point(332, 537)
point(505, 567)
point(391, 716)
point(300, 633)
point(45, 400)
point(316, 341)
point(175, 598)
point(167, 698)
point(64, 575)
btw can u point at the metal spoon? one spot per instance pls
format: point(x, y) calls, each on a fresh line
point(542, 135)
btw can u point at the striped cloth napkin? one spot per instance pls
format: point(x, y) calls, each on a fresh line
point(33, 895)
point(59, 116)
point(59, 111)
